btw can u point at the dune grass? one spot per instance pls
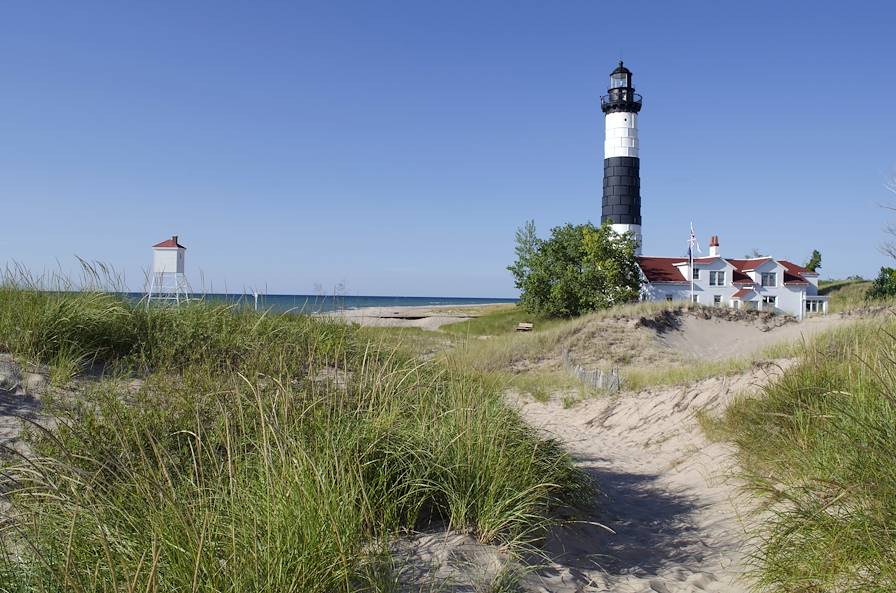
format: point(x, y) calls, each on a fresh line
point(506, 355)
point(639, 378)
point(501, 320)
point(501, 351)
point(261, 453)
point(818, 447)
point(845, 295)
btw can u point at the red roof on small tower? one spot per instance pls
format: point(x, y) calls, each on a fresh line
point(169, 244)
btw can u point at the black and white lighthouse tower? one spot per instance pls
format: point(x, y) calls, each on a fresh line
point(622, 177)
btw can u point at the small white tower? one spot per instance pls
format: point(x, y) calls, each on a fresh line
point(168, 283)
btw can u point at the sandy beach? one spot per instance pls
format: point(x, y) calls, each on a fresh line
point(429, 318)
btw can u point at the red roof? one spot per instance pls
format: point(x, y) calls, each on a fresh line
point(739, 277)
point(793, 279)
point(740, 294)
point(795, 269)
point(704, 260)
point(169, 244)
point(748, 265)
point(662, 269)
point(659, 270)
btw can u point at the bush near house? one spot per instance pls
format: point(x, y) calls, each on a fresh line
point(579, 269)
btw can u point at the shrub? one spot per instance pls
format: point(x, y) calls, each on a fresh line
point(577, 270)
point(884, 286)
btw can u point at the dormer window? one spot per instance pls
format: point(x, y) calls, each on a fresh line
point(769, 279)
point(717, 278)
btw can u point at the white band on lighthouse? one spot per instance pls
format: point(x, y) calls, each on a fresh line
point(634, 229)
point(621, 137)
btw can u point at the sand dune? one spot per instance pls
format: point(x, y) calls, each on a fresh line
point(670, 518)
point(668, 494)
point(718, 339)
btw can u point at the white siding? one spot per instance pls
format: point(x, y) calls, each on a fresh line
point(168, 261)
point(790, 299)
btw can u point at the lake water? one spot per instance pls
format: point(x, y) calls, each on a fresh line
point(309, 303)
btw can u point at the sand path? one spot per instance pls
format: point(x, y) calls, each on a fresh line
point(668, 494)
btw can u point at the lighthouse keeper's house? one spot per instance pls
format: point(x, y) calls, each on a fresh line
point(765, 284)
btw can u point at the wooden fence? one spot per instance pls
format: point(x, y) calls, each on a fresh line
point(601, 380)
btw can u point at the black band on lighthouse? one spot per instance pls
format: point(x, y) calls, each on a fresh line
point(622, 190)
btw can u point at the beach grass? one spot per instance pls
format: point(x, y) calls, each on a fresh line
point(256, 453)
point(817, 446)
point(499, 321)
point(638, 378)
point(846, 295)
point(518, 357)
point(502, 350)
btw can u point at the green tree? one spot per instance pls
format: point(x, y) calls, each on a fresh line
point(884, 286)
point(580, 268)
point(526, 247)
point(814, 261)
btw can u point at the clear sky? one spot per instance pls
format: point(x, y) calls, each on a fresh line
point(395, 146)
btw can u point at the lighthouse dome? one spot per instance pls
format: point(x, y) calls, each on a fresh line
point(621, 96)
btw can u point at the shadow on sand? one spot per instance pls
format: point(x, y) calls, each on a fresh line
point(653, 529)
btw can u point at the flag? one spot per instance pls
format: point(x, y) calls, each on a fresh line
point(692, 243)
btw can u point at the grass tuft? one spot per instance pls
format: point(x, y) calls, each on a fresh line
point(261, 453)
point(818, 446)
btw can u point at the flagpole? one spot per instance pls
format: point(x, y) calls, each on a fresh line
point(692, 243)
point(691, 268)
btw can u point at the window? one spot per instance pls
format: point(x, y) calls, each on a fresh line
point(716, 300)
point(813, 306)
point(717, 278)
point(695, 298)
point(769, 279)
point(696, 274)
point(669, 298)
point(736, 304)
point(769, 300)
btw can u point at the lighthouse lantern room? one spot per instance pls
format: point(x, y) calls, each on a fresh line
point(168, 281)
point(622, 165)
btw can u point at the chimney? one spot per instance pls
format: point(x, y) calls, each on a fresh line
point(174, 238)
point(714, 246)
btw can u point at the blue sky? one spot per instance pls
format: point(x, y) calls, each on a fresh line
point(395, 146)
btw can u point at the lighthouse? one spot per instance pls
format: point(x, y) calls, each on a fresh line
point(622, 165)
point(168, 281)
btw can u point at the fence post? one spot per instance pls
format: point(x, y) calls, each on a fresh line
point(596, 379)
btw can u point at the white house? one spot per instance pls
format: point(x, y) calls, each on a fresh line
point(763, 283)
